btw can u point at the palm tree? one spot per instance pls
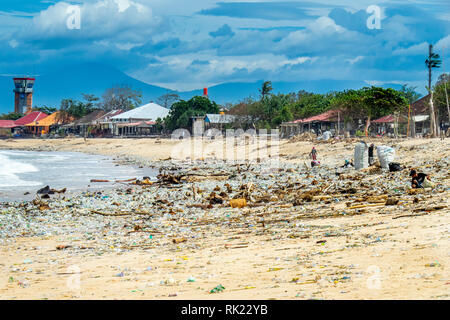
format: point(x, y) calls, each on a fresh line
point(265, 89)
point(433, 61)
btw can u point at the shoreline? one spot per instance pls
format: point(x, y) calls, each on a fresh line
point(304, 233)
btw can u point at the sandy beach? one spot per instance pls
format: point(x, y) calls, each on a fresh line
point(321, 233)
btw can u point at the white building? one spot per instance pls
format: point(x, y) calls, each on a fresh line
point(139, 121)
point(148, 112)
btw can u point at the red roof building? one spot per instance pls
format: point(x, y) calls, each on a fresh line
point(31, 117)
point(390, 119)
point(7, 124)
point(328, 116)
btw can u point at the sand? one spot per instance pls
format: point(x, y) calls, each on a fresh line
point(366, 256)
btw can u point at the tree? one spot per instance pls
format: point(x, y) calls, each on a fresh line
point(266, 89)
point(411, 96)
point(168, 99)
point(45, 109)
point(310, 104)
point(432, 62)
point(440, 98)
point(181, 112)
point(77, 109)
point(121, 97)
point(369, 103)
point(11, 116)
point(92, 102)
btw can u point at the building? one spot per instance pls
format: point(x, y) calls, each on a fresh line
point(148, 112)
point(85, 124)
point(7, 128)
point(327, 121)
point(420, 116)
point(390, 124)
point(30, 118)
point(48, 124)
point(23, 94)
point(218, 121)
point(139, 121)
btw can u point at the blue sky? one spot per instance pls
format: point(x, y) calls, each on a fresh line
point(185, 45)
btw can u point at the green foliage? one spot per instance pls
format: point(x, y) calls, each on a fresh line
point(181, 112)
point(45, 109)
point(310, 104)
point(359, 133)
point(159, 124)
point(266, 89)
point(74, 108)
point(440, 98)
point(373, 102)
point(410, 93)
point(432, 62)
point(11, 116)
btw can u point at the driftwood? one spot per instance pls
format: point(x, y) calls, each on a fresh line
point(121, 213)
point(367, 205)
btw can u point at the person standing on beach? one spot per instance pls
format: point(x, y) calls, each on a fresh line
point(313, 154)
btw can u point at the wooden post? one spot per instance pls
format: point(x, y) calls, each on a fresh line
point(409, 116)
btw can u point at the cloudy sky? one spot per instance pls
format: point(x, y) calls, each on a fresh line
point(184, 44)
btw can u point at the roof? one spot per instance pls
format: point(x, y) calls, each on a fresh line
point(91, 117)
point(31, 117)
point(107, 116)
point(389, 119)
point(219, 118)
point(329, 115)
point(7, 124)
point(54, 118)
point(150, 111)
point(140, 124)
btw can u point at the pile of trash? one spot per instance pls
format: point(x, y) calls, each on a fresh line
point(305, 136)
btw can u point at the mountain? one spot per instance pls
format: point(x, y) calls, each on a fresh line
point(94, 78)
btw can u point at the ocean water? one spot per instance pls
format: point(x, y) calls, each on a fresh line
point(28, 171)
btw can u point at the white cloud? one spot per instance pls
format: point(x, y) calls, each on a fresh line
point(417, 49)
point(354, 60)
point(13, 43)
point(115, 19)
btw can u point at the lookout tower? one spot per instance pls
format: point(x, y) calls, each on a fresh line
point(23, 89)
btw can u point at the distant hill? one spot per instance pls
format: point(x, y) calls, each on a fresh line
point(94, 78)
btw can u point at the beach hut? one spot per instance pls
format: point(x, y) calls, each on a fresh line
point(51, 122)
point(27, 119)
point(7, 128)
point(390, 124)
point(420, 116)
point(327, 121)
point(85, 124)
point(30, 118)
